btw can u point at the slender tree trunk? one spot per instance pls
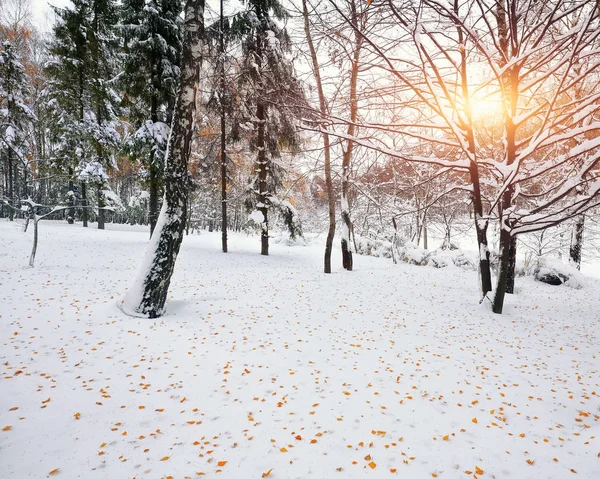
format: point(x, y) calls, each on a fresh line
point(35, 240)
point(11, 192)
point(326, 144)
point(149, 294)
point(154, 175)
point(153, 200)
point(101, 205)
point(577, 241)
point(425, 232)
point(84, 211)
point(262, 164)
point(481, 223)
point(512, 265)
point(507, 197)
point(347, 261)
point(223, 155)
point(71, 210)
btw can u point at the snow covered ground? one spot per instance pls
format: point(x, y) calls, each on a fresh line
point(265, 367)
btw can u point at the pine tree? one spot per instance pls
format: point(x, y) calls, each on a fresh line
point(152, 55)
point(272, 98)
point(81, 73)
point(148, 295)
point(15, 118)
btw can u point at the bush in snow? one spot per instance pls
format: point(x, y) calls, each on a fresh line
point(555, 272)
point(373, 247)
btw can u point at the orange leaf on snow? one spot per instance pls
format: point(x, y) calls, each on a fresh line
point(166, 458)
point(267, 474)
point(7, 428)
point(283, 449)
point(478, 470)
point(446, 437)
point(54, 471)
point(393, 469)
point(14, 408)
point(313, 441)
point(372, 465)
point(474, 420)
point(221, 463)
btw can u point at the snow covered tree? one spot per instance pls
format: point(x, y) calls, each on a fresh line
point(15, 119)
point(272, 98)
point(152, 54)
point(148, 294)
point(81, 73)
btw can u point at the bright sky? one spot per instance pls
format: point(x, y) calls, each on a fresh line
point(42, 12)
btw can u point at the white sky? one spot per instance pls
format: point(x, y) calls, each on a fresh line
point(42, 12)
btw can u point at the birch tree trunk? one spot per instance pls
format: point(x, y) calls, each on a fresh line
point(326, 144)
point(347, 154)
point(148, 295)
point(577, 241)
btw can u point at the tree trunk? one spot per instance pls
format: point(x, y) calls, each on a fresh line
point(326, 145)
point(223, 155)
point(262, 165)
point(577, 241)
point(35, 239)
point(84, 211)
point(148, 296)
point(347, 153)
point(153, 200)
point(11, 195)
point(512, 265)
point(71, 210)
point(101, 205)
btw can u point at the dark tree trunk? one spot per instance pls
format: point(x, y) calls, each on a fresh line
point(84, 211)
point(71, 210)
point(101, 205)
point(326, 145)
point(577, 241)
point(507, 197)
point(11, 191)
point(223, 155)
point(347, 261)
point(512, 265)
point(153, 200)
point(503, 268)
point(154, 174)
point(149, 300)
point(481, 223)
point(262, 167)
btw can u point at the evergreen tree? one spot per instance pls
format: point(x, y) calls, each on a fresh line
point(272, 97)
point(81, 83)
point(152, 55)
point(15, 119)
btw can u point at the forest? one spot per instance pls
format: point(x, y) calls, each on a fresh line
point(300, 239)
point(384, 121)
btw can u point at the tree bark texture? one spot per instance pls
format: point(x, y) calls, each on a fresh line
point(101, 205)
point(148, 297)
point(153, 200)
point(577, 241)
point(11, 191)
point(223, 113)
point(326, 144)
point(71, 210)
point(512, 265)
point(84, 211)
point(262, 167)
point(347, 261)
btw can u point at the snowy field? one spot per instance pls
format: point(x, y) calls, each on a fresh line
point(265, 367)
